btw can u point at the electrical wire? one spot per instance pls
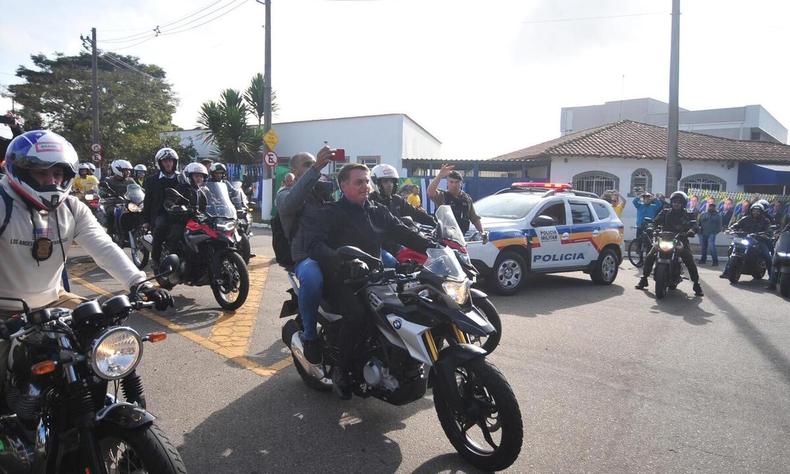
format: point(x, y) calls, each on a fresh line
point(137, 36)
point(207, 21)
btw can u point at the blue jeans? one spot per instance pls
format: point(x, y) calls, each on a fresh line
point(705, 242)
point(388, 259)
point(311, 284)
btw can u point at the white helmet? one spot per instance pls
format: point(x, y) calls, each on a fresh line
point(118, 166)
point(218, 167)
point(165, 153)
point(140, 168)
point(85, 166)
point(40, 149)
point(91, 168)
point(766, 205)
point(385, 172)
point(195, 168)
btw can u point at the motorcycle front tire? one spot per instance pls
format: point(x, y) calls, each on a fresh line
point(492, 315)
point(235, 260)
point(735, 271)
point(149, 446)
point(661, 277)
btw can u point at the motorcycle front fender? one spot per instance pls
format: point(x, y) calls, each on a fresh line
point(124, 415)
point(477, 294)
point(443, 371)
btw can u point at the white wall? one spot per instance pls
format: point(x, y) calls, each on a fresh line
point(563, 172)
point(392, 137)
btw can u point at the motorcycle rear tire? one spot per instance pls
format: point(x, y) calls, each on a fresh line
point(140, 258)
point(661, 280)
point(244, 279)
point(508, 416)
point(149, 445)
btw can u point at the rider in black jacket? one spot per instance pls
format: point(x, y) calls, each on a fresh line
point(355, 221)
point(154, 214)
point(756, 222)
point(678, 220)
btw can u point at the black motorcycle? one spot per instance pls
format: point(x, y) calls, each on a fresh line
point(781, 261)
point(416, 334)
point(128, 222)
point(745, 255)
point(668, 272)
point(208, 247)
point(65, 371)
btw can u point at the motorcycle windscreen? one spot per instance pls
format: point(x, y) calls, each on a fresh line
point(449, 226)
point(135, 193)
point(218, 203)
point(442, 262)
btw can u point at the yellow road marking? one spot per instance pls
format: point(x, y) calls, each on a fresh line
point(231, 346)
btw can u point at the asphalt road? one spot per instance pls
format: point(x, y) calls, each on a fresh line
point(608, 380)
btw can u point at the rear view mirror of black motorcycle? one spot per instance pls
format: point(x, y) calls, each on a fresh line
point(348, 252)
point(176, 197)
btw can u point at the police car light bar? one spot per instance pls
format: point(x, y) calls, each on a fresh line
point(531, 184)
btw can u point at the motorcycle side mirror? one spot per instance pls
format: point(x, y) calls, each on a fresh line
point(175, 196)
point(348, 252)
point(544, 221)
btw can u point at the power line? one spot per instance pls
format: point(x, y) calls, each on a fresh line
point(206, 22)
point(137, 36)
point(136, 44)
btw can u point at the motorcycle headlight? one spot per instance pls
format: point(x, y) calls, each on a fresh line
point(744, 242)
point(783, 254)
point(116, 353)
point(666, 245)
point(457, 290)
point(226, 225)
point(89, 197)
point(132, 207)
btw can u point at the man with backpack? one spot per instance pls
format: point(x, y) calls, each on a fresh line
point(291, 202)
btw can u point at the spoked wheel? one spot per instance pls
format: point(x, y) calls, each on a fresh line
point(230, 280)
point(140, 254)
point(489, 343)
point(487, 430)
point(141, 450)
point(636, 254)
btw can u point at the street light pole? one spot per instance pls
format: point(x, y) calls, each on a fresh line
point(674, 168)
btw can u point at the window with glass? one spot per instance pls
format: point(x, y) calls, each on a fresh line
point(641, 181)
point(707, 182)
point(555, 211)
point(580, 212)
point(601, 210)
point(369, 161)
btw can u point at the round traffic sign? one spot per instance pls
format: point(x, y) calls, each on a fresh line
point(96, 157)
point(270, 158)
point(96, 148)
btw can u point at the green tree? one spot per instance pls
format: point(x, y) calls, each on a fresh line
point(226, 127)
point(255, 97)
point(134, 107)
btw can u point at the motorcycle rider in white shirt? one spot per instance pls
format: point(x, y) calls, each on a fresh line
point(38, 223)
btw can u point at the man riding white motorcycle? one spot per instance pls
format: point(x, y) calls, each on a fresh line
point(40, 219)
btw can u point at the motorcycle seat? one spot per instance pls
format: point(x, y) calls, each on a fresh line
point(328, 311)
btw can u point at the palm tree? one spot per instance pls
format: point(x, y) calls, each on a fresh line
point(226, 127)
point(255, 96)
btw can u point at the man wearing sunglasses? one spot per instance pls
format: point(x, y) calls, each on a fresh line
point(291, 203)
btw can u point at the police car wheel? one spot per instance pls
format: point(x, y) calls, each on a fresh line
point(508, 274)
point(606, 268)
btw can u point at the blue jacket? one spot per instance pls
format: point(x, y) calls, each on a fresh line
point(646, 210)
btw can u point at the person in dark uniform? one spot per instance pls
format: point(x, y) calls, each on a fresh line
point(459, 201)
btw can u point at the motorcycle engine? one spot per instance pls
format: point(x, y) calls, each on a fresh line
point(377, 376)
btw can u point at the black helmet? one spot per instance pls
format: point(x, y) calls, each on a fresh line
point(679, 196)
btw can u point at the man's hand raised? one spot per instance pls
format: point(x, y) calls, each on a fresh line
point(323, 158)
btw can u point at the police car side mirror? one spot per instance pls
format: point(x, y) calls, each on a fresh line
point(544, 221)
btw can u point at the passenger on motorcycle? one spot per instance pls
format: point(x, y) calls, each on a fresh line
point(40, 219)
point(218, 173)
point(154, 214)
point(385, 178)
point(85, 181)
point(757, 221)
point(291, 204)
point(678, 220)
point(353, 220)
point(140, 171)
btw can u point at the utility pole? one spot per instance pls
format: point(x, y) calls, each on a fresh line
point(267, 181)
point(674, 169)
point(95, 95)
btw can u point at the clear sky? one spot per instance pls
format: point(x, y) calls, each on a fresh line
point(485, 77)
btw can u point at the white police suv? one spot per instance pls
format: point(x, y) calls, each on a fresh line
point(545, 228)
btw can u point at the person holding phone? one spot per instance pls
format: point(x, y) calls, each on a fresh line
point(459, 201)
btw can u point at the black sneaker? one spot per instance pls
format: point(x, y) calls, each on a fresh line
point(313, 351)
point(724, 275)
point(341, 383)
point(642, 283)
point(698, 290)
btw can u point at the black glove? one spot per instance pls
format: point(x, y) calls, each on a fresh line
point(160, 296)
point(357, 269)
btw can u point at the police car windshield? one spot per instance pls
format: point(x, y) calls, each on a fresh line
point(506, 205)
